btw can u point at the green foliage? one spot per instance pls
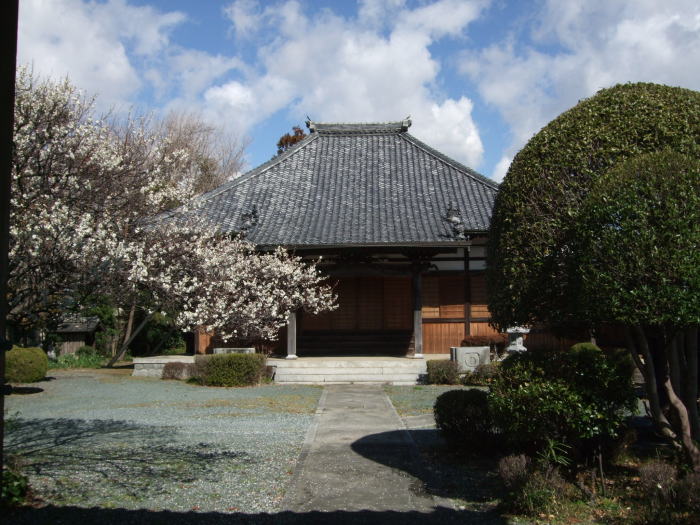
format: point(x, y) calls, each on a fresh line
point(158, 336)
point(534, 225)
point(101, 307)
point(639, 233)
point(84, 357)
point(230, 369)
point(464, 418)
point(25, 365)
point(442, 372)
point(86, 351)
point(483, 375)
point(578, 399)
point(14, 488)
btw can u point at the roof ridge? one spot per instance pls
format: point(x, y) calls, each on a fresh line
point(400, 126)
point(454, 163)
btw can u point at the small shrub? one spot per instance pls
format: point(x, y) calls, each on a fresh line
point(657, 480)
point(230, 369)
point(84, 357)
point(25, 365)
point(688, 493)
point(514, 471)
point(482, 375)
point(442, 372)
point(485, 340)
point(579, 398)
point(464, 418)
point(14, 488)
point(86, 351)
point(176, 371)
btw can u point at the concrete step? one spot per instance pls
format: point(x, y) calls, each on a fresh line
point(346, 378)
point(357, 370)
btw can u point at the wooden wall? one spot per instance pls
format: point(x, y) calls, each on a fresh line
point(367, 304)
point(452, 308)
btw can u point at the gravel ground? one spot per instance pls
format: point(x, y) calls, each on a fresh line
point(416, 400)
point(116, 441)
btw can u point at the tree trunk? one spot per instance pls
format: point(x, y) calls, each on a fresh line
point(674, 362)
point(691, 388)
point(689, 446)
point(126, 344)
point(637, 343)
point(130, 323)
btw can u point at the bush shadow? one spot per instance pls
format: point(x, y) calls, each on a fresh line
point(24, 390)
point(442, 472)
point(99, 516)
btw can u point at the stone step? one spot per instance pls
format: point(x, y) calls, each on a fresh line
point(348, 378)
point(402, 364)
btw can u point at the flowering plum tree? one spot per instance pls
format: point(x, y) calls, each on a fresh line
point(82, 193)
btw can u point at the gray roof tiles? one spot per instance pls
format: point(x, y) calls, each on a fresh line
point(354, 184)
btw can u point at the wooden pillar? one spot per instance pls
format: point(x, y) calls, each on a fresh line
point(467, 294)
point(417, 313)
point(292, 336)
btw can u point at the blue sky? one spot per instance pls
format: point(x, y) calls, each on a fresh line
point(479, 77)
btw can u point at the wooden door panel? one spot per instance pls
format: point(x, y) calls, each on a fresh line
point(439, 337)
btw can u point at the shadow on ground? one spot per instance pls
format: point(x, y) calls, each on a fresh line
point(132, 459)
point(442, 473)
point(97, 516)
point(24, 390)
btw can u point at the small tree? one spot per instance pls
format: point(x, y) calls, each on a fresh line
point(534, 271)
point(533, 229)
point(639, 260)
point(288, 140)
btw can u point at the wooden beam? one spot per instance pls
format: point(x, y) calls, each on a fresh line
point(417, 312)
point(467, 294)
point(292, 336)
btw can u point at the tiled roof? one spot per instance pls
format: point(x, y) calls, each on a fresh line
point(353, 185)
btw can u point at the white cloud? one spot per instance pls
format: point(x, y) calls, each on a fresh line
point(501, 168)
point(581, 47)
point(245, 15)
point(89, 42)
point(342, 70)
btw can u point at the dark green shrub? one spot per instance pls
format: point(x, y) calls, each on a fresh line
point(483, 375)
point(14, 488)
point(485, 340)
point(442, 372)
point(231, 369)
point(579, 398)
point(464, 419)
point(25, 365)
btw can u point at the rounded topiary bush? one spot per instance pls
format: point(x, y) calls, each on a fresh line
point(25, 365)
point(537, 206)
point(230, 369)
point(464, 418)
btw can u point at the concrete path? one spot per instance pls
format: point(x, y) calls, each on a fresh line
point(358, 457)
